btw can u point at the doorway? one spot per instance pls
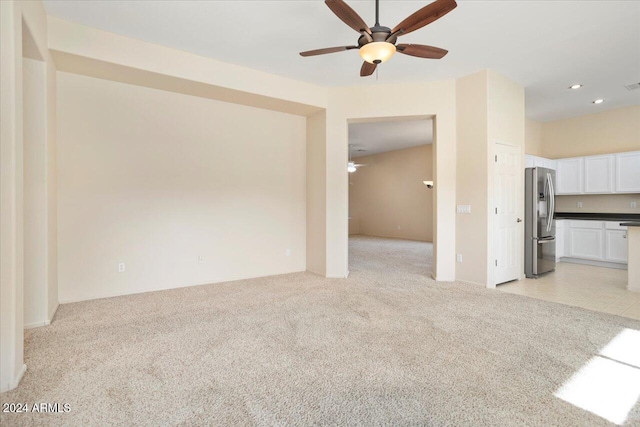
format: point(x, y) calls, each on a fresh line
point(391, 207)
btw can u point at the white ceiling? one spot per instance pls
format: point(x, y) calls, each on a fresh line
point(381, 136)
point(543, 45)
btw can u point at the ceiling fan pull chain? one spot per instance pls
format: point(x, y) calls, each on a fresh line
point(377, 68)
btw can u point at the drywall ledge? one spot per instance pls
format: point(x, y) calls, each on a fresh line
point(141, 58)
point(108, 71)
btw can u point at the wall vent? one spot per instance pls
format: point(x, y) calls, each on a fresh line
point(633, 86)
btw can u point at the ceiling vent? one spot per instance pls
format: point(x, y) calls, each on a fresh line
point(633, 86)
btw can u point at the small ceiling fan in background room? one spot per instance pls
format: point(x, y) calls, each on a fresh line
point(378, 43)
point(352, 166)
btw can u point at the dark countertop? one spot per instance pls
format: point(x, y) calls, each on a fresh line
point(630, 224)
point(598, 216)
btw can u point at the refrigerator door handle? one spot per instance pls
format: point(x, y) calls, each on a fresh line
point(552, 197)
point(547, 193)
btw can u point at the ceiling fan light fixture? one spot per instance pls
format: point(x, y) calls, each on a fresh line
point(351, 167)
point(377, 52)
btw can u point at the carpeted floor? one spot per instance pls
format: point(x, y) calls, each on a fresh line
point(388, 346)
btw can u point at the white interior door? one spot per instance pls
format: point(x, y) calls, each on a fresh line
point(507, 224)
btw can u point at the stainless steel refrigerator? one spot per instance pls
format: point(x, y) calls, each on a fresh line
point(539, 226)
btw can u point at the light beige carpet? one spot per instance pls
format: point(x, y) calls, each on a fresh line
point(388, 346)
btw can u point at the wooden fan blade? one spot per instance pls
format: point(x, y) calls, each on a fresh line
point(424, 16)
point(422, 51)
point(367, 69)
point(327, 50)
point(348, 15)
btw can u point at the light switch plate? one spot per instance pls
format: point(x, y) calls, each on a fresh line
point(464, 209)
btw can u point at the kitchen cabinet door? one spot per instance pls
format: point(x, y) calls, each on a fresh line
point(627, 172)
point(599, 174)
point(586, 243)
point(561, 226)
point(616, 246)
point(539, 162)
point(570, 176)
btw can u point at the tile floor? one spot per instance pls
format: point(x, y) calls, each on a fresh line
point(594, 288)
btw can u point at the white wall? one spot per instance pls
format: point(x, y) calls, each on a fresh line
point(35, 193)
point(156, 179)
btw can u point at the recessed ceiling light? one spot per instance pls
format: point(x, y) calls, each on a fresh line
point(598, 101)
point(576, 86)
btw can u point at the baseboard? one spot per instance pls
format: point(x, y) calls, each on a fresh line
point(55, 310)
point(468, 282)
point(36, 324)
point(390, 237)
point(317, 273)
point(16, 380)
point(594, 263)
point(42, 322)
point(168, 288)
point(441, 279)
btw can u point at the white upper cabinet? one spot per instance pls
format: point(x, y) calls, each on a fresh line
point(627, 172)
point(570, 176)
point(550, 164)
point(529, 161)
point(604, 174)
point(538, 162)
point(599, 174)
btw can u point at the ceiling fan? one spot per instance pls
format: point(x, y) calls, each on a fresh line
point(353, 166)
point(378, 43)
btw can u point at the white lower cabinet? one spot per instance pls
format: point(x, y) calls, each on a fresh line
point(602, 241)
point(561, 228)
point(616, 247)
point(585, 240)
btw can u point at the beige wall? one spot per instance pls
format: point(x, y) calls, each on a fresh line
point(533, 137)
point(490, 110)
point(350, 104)
point(17, 18)
point(156, 179)
point(471, 188)
point(387, 197)
point(35, 197)
point(506, 125)
point(316, 194)
point(600, 133)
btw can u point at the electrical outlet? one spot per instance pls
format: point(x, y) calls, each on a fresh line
point(287, 252)
point(633, 205)
point(579, 204)
point(398, 227)
point(459, 258)
point(200, 259)
point(463, 209)
point(121, 267)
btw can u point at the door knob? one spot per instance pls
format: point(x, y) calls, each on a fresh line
point(518, 220)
